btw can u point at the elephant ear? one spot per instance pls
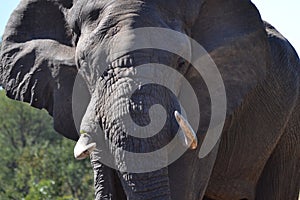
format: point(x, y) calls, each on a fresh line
point(233, 34)
point(37, 60)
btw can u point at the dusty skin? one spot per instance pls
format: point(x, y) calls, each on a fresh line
point(87, 64)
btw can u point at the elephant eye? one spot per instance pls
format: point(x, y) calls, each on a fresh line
point(94, 15)
point(182, 65)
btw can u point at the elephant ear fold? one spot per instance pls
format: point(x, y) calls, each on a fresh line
point(233, 34)
point(37, 60)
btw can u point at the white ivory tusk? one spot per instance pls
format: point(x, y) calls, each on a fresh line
point(84, 146)
point(190, 140)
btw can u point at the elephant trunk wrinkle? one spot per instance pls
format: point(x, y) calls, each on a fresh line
point(117, 105)
point(152, 185)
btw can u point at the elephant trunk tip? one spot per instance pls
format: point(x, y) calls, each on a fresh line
point(189, 138)
point(83, 147)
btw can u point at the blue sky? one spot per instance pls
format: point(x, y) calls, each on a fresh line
point(284, 15)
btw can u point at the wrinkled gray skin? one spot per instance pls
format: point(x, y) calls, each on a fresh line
point(46, 42)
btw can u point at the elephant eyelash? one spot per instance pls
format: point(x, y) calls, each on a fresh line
point(182, 65)
point(76, 33)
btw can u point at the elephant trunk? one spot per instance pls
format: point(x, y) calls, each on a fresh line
point(135, 128)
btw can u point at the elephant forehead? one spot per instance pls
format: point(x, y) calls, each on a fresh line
point(164, 39)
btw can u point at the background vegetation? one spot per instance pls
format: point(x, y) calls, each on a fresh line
point(36, 162)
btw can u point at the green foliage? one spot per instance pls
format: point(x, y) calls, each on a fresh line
point(36, 162)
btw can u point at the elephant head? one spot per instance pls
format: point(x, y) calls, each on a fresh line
point(52, 48)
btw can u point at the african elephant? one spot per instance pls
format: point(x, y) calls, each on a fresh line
point(51, 45)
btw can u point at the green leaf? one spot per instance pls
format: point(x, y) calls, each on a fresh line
point(36, 162)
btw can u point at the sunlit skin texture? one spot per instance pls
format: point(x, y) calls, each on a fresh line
point(47, 42)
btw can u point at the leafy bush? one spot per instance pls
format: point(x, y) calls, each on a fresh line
point(36, 162)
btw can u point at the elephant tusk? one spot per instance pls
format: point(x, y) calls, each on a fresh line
point(190, 138)
point(84, 146)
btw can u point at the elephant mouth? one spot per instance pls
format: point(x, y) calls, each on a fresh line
point(116, 80)
point(85, 145)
